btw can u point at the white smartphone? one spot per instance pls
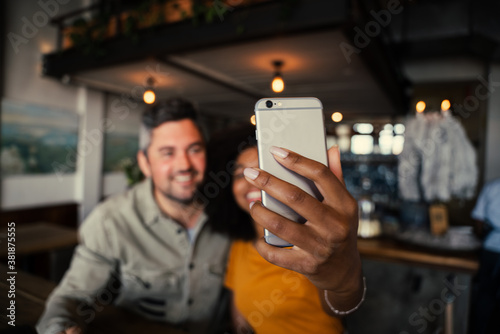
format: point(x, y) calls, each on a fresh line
point(296, 124)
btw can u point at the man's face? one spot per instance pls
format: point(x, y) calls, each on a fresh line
point(176, 160)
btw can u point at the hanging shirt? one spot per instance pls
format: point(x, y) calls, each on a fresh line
point(438, 161)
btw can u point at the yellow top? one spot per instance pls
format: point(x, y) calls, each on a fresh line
point(273, 299)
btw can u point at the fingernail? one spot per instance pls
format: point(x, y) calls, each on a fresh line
point(251, 204)
point(251, 173)
point(278, 152)
point(337, 148)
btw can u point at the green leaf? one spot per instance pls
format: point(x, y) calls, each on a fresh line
point(209, 15)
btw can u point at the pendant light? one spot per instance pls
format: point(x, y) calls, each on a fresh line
point(149, 95)
point(277, 84)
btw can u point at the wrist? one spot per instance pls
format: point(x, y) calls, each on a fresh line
point(348, 281)
point(345, 307)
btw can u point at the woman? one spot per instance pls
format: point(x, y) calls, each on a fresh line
point(265, 298)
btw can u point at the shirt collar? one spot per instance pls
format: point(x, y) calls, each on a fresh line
point(146, 203)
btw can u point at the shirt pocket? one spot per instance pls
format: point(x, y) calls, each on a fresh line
point(149, 292)
point(210, 281)
point(207, 284)
point(212, 276)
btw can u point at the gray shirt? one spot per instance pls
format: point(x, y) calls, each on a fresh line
point(136, 257)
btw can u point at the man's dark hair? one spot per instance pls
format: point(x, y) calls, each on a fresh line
point(174, 109)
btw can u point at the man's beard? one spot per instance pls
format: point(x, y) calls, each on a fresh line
point(168, 193)
point(195, 198)
point(183, 201)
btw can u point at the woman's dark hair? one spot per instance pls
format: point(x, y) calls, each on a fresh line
point(222, 151)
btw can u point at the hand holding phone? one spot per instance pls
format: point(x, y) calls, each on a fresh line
point(325, 247)
point(295, 124)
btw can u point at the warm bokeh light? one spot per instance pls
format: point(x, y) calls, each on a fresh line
point(278, 84)
point(149, 96)
point(385, 139)
point(363, 128)
point(399, 129)
point(398, 143)
point(45, 46)
point(420, 106)
point(337, 116)
point(362, 144)
point(252, 119)
point(445, 105)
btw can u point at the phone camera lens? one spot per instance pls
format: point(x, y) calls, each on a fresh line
point(269, 103)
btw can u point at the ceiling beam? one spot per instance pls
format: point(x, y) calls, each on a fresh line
point(477, 46)
point(211, 76)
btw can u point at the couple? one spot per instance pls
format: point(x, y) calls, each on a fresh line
point(156, 251)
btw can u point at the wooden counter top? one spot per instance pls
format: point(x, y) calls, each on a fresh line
point(40, 237)
point(394, 251)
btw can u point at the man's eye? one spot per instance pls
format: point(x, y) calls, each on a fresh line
point(167, 153)
point(196, 149)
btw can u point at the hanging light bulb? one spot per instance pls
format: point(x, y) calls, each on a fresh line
point(252, 119)
point(149, 95)
point(445, 105)
point(277, 85)
point(420, 106)
point(337, 116)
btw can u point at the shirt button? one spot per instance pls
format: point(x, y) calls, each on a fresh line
point(179, 231)
point(190, 301)
point(191, 265)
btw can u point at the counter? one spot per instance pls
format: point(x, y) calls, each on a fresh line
point(395, 251)
point(414, 289)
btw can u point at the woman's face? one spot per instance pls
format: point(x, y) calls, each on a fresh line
point(245, 193)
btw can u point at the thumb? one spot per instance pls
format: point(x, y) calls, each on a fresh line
point(334, 163)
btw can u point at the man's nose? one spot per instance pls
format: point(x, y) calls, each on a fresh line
point(183, 162)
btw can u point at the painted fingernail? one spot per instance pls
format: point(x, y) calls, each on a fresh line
point(278, 152)
point(338, 149)
point(251, 204)
point(251, 173)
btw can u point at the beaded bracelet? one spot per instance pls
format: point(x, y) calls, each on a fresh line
point(337, 312)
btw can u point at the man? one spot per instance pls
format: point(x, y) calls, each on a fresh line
point(487, 216)
point(149, 249)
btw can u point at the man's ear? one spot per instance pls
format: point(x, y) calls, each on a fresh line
point(143, 162)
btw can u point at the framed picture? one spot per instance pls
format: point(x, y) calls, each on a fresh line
point(37, 139)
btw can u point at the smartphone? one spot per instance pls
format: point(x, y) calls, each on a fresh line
point(296, 124)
